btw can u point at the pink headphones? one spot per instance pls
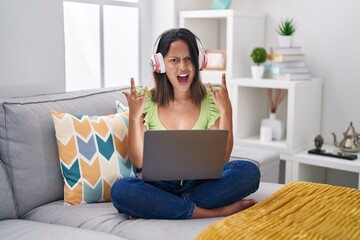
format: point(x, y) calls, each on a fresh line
point(157, 60)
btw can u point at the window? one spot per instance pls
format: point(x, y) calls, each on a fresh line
point(102, 46)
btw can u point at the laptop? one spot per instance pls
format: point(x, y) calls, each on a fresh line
point(183, 154)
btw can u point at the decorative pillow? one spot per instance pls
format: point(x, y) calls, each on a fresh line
point(121, 107)
point(92, 153)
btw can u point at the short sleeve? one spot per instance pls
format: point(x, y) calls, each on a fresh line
point(214, 112)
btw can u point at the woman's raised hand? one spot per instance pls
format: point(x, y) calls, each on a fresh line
point(221, 96)
point(136, 101)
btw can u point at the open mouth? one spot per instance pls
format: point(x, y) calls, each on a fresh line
point(183, 78)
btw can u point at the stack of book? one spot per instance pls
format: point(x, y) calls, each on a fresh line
point(286, 64)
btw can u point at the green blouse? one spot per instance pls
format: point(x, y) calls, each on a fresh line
point(209, 113)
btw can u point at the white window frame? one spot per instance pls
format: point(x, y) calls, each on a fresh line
point(144, 32)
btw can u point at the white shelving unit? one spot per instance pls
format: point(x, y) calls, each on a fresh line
point(300, 110)
point(236, 32)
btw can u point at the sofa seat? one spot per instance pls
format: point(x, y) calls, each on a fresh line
point(15, 229)
point(103, 217)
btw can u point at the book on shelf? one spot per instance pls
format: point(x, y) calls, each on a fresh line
point(288, 64)
point(288, 76)
point(285, 69)
point(285, 50)
point(285, 57)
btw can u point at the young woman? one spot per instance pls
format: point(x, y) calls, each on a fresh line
point(179, 100)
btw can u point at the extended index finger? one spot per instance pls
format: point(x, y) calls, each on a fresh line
point(132, 85)
point(223, 81)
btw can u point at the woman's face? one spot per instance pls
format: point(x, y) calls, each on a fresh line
point(179, 66)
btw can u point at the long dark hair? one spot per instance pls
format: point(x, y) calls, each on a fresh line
point(163, 92)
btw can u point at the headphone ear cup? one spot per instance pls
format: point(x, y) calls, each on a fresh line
point(202, 55)
point(202, 60)
point(157, 63)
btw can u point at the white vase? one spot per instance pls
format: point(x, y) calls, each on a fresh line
point(285, 41)
point(277, 126)
point(257, 72)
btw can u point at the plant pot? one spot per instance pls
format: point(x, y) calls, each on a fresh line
point(221, 4)
point(285, 41)
point(257, 72)
point(277, 126)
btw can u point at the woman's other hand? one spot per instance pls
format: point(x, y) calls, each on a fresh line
point(221, 96)
point(136, 101)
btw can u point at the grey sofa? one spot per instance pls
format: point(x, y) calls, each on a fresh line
point(31, 185)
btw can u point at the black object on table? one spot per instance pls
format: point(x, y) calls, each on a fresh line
point(332, 153)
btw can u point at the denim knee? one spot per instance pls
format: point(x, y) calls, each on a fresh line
point(120, 190)
point(250, 170)
point(254, 174)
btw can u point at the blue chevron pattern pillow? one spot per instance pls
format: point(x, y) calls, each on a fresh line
point(92, 153)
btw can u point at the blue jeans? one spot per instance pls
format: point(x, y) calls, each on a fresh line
point(177, 200)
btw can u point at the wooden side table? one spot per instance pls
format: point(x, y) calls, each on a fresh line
point(302, 166)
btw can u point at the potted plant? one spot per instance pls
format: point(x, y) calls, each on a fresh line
point(286, 30)
point(258, 55)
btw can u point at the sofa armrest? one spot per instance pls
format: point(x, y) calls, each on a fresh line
point(7, 201)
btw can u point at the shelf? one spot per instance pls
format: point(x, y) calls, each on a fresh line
point(273, 83)
point(300, 110)
point(218, 14)
point(255, 141)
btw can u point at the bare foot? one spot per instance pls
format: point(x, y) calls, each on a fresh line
point(235, 207)
point(131, 217)
point(224, 211)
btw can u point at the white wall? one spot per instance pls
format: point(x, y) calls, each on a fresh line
point(145, 44)
point(163, 16)
point(32, 58)
point(328, 32)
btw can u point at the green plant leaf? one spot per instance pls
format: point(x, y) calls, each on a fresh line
point(286, 27)
point(259, 55)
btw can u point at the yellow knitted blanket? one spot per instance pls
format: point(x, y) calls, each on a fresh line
point(300, 210)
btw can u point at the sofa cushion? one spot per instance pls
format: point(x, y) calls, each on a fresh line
point(24, 230)
point(105, 218)
point(7, 204)
point(92, 153)
point(28, 143)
